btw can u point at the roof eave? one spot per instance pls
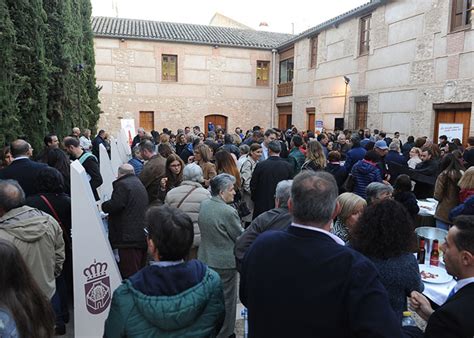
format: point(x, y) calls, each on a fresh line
point(191, 42)
point(363, 10)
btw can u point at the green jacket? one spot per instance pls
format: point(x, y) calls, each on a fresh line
point(296, 158)
point(195, 312)
point(220, 226)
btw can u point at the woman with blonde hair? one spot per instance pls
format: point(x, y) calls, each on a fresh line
point(202, 156)
point(315, 158)
point(352, 207)
point(414, 157)
point(164, 138)
point(466, 184)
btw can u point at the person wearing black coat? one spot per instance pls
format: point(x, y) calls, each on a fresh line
point(394, 156)
point(22, 169)
point(278, 218)
point(126, 211)
point(52, 200)
point(265, 178)
point(403, 194)
point(425, 174)
point(334, 167)
point(98, 140)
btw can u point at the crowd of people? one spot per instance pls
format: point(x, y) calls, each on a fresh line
point(320, 228)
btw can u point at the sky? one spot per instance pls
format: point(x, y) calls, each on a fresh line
point(281, 16)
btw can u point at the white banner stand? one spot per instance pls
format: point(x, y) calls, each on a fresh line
point(121, 153)
point(107, 173)
point(115, 158)
point(129, 126)
point(125, 143)
point(95, 271)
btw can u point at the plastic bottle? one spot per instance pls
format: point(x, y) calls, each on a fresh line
point(407, 319)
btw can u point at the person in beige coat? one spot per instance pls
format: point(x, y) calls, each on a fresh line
point(37, 236)
point(447, 189)
point(246, 172)
point(188, 197)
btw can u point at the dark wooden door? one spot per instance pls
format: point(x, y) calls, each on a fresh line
point(311, 112)
point(453, 116)
point(147, 120)
point(284, 117)
point(217, 120)
point(361, 115)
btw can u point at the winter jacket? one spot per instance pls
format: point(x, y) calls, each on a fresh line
point(447, 194)
point(246, 172)
point(183, 300)
point(191, 205)
point(274, 219)
point(153, 171)
point(339, 172)
point(137, 165)
point(39, 239)
point(365, 173)
point(220, 226)
point(466, 208)
point(394, 157)
point(296, 159)
point(425, 175)
point(408, 199)
point(126, 210)
point(352, 156)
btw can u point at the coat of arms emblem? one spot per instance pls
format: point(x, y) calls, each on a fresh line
point(97, 288)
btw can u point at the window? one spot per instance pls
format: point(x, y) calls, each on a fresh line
point(313, 51)
point(461, 14)
point(169, 68)
point(364, 46)
point(263, 71)
point(286, 70)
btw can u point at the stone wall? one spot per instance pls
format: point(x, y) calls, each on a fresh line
point(210, 81)
point(414, 61)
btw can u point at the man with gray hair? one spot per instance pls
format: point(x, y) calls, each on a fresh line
point(139, 137)
point(36, 234)
point(395, 161)
point(153, 170)
point(265, 178)
point(126, 211)
point(325, 288)
point(377, 192)
point(277, 218)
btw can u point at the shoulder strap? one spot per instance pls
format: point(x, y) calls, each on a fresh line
point(55, 214)
point(85, 156)
point(186, 196)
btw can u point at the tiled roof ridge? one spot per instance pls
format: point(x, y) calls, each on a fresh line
point(183, 32)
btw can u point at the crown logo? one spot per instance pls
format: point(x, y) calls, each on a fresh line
point(95, 271)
